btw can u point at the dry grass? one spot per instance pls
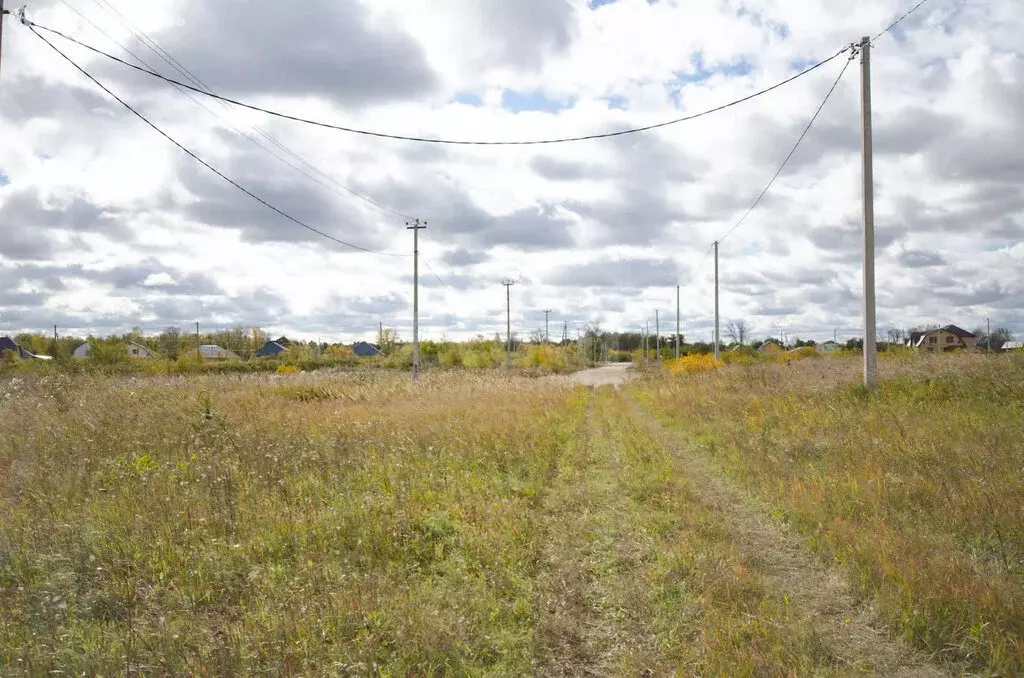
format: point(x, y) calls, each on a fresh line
point(288, 525)
point(483, 524)
point(915, 489)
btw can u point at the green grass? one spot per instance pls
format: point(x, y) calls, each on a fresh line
point(914, 489)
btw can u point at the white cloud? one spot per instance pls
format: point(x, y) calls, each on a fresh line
point(92, 189)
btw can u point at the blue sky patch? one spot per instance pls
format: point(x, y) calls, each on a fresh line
point(469, 99)
point(3, 179)
point(801, 64)
point(781, 31)
point(701, 72)
point(617, 102)
point(598, 4)
point(518, 102)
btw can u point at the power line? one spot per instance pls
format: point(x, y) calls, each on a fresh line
point(436, 276)
point(899, 20)
point(206, 164)
point(166, 56)
point(434, 140)
point(791, 152)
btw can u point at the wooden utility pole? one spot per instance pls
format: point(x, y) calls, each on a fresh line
point(416, 227)
point(870, 342)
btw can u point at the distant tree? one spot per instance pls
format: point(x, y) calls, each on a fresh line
point(801, 343)
point(895, 334)
point(738, 331)
point(169, 342)
point(387, 340)
point(134, 335)
point(699, 347)
point(855, 344)
point(1000, 336)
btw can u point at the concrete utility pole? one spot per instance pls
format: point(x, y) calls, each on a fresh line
point(647, 338)
point(508, 320)
point(547, 335)
point(988, 335)
point(657, 336)
point(199, 355)
point(54, 327)
point(415, 227)
point(677, 342)
point(870, 343)
point(716, 301)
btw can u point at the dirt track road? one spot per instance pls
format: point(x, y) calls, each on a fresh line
point(612, 374)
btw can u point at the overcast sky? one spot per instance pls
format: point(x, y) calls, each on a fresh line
point(105, 225)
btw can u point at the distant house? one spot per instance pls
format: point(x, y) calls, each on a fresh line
point(272, 349)
point(948, 338)
point(8, 344)
point(828, 347)
point(365, 350)
point(213, 352)
point(770, 348)
point(283, 341)
point(1012, 346)
point(134, 350)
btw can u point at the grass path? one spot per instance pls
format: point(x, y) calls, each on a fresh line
point(847, 630)
point(586, 617)
point(651, 564)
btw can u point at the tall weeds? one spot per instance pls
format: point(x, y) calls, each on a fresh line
point(915, 487)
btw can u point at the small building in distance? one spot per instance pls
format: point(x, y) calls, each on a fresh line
point(365, 350)
point(827, 347)
point(134, 350)
point(948, 338)
point(214, 352)
point(272, 349)
point(770, 347)
point(8, 344)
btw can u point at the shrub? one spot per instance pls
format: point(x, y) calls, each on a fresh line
point(546, 356)
point(693, 364)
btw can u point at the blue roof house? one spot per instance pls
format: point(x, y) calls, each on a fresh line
point(365, 350)
point(8, 344)
point(271, 349)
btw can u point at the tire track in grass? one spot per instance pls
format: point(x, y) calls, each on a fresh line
point(588, 560)
point(848, 636)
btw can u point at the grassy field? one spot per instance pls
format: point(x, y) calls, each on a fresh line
point(915, 491)
point(761, 520)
